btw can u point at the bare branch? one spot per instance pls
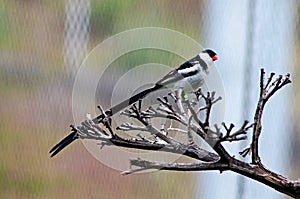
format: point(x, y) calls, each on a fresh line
point(131, 127)
point(178, 109)
point(266, 91)
point(238, 135)
point(147, 165)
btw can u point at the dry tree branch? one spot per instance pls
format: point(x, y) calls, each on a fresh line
point(267, 90)
point(182, 110)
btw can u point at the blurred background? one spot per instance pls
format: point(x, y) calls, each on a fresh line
point(43, 43)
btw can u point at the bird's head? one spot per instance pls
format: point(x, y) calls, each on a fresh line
point(208, 55)
point(206, 59)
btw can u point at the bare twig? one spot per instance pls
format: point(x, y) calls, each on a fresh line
point(266, 91)
point(238, 135)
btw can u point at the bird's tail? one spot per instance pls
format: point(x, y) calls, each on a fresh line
point(115, 109)
point(63, 143)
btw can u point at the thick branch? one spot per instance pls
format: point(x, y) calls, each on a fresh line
point(192, 151)
point(146, 165)
point(258, 173)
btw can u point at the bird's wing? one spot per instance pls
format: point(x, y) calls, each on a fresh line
point(171, 77)
point(174, 75)
point(185, 65)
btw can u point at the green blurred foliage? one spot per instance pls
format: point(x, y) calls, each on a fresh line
point(5, 26)
point(111, 17)
point(104, 15)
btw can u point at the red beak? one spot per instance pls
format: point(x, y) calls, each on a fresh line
point(215, 58)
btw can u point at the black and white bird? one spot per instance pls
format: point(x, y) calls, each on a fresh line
point(187, 76)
